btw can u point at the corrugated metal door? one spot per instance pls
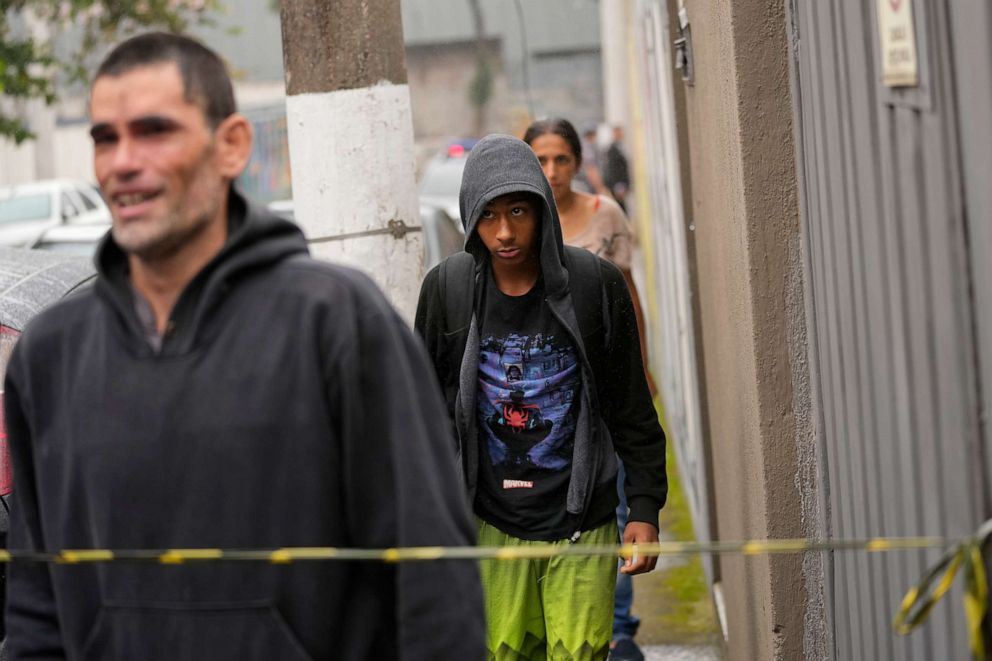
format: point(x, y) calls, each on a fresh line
point(892, 316)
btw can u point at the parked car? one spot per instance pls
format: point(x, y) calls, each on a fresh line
point(438, 189)
point(442, 178)
point(76, 239)
point(443, 235)
point(29, 282)
point(27, 210)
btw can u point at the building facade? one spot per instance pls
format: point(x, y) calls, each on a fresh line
point(831, 246)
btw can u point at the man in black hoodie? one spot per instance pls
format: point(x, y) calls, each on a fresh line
point(542, 404)
point(219, 388)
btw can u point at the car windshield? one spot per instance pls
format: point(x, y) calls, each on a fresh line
point(25, 207)
point(443, 178)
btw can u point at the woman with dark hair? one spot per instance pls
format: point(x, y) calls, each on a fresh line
point(594, 222)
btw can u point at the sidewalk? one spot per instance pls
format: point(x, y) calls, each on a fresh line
point(680, 653)
point(678, 621)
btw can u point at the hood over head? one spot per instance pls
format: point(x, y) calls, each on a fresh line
point(502, 164)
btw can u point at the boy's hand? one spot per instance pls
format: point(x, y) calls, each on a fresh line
point(638, 532)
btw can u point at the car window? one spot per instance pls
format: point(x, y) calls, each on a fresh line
point(36, 206)
point(69, 209)
point(89, 204)
point(443, 178)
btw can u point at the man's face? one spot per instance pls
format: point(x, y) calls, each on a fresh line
point(508, 227)
point(156, 160)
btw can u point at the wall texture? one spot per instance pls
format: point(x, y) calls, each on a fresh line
point(744, 207)
point(439, 77)
point(894, 184)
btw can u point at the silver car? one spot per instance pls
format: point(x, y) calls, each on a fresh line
point(28, 210)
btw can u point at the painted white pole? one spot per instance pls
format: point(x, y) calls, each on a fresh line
point(613, 31)
point(351, 140)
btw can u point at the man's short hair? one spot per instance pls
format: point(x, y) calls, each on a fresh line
point(205, 79)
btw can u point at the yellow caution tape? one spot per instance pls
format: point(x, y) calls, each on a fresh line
point(428, 553)
point(85, 555)
point(964, 554)
point(179, 556)
point(921, 599)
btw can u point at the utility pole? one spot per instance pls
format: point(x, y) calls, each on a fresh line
point(351, 139)
point(612, 30)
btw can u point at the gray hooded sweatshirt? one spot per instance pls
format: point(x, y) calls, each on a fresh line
point(616, 416)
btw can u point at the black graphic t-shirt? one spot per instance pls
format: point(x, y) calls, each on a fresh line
point(527, 403)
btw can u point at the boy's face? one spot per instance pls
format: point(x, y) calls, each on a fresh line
point(508, 227)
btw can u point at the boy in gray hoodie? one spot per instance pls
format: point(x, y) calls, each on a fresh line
point(542, 403)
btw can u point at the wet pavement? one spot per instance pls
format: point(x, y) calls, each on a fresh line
point(678, 620)
point(681, 653)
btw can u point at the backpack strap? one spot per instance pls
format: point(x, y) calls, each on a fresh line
point(585, 281)
point(456, 282)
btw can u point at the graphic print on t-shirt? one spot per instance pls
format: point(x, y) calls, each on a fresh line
point(528, 386)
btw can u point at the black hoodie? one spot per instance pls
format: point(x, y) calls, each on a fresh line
point(289, 406)
point(615, 415)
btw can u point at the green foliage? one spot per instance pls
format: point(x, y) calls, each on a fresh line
point(675, 516)
point(19, 63)
point(480, 88)
point(673, 602)
point(29, 66)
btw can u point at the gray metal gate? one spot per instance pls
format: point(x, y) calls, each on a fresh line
point(898, 253)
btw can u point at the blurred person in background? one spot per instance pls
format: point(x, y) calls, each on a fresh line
point(598, 224)
point(594, 222)
point(616, 173)
point(589, 178)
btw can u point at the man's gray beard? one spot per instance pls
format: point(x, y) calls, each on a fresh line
point(162, 247)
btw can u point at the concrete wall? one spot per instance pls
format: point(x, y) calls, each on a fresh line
point(68, 152)
point(439, 76)
point(751, 311)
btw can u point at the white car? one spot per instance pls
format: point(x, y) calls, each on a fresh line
point(442, 179)
point(27, 210)
point(73, 239)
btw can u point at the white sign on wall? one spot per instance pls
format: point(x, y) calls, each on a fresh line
point(898, 43)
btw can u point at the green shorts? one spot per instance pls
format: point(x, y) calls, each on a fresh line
point(558, 608)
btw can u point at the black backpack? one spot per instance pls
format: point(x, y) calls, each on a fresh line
point(456, 282)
